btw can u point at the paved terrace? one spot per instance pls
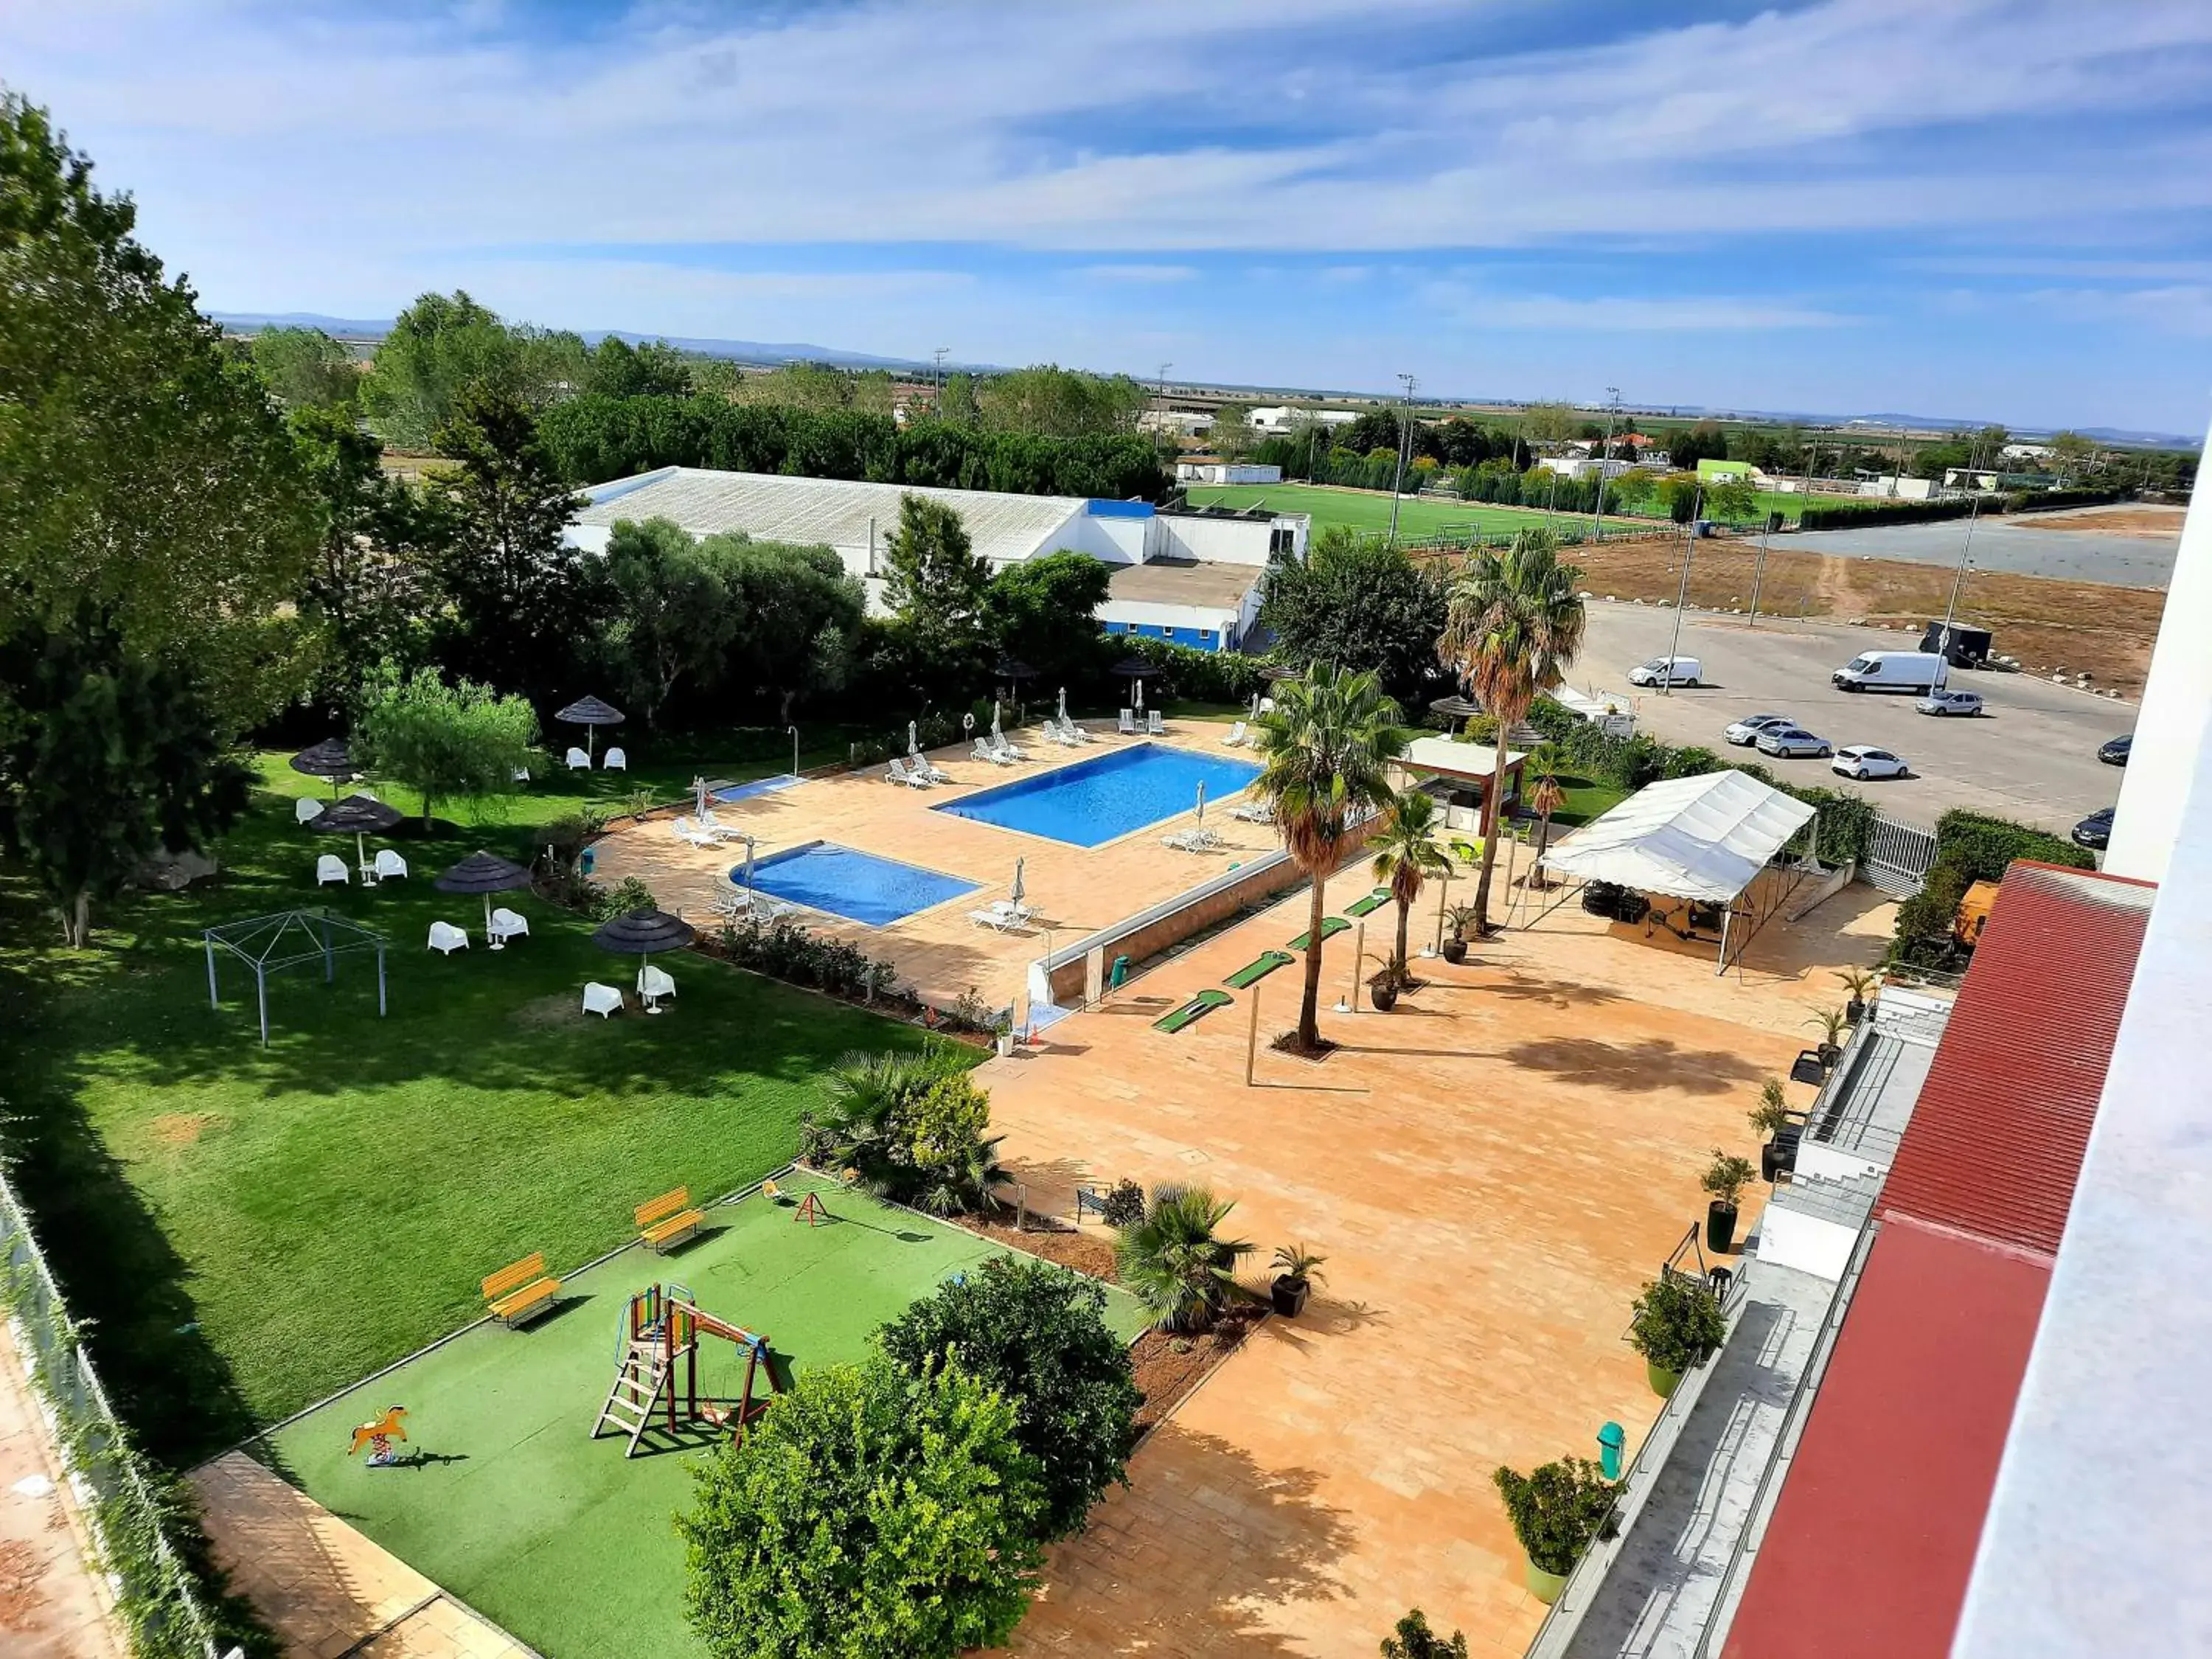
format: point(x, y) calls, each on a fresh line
point(1074, 890)
point(1492, 1170)
point(54, 1601)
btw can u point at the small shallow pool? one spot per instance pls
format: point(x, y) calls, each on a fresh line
point(845, 882)
point(1096, 800)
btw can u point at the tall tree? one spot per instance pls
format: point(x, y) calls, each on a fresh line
point(442, 345)
point(304, 368)
point(1049, 401)
point(619, 369)
point(458, 742)
point(934, 580)
point(142, 467)
point(517, 591)
point(1325, 752)
point(1044, 612)
point(673, 611)
point(1357, 602)
point(108, 754)
point(1405, 854)
point(1513, 623)
point(1548, 423)
point(797, 618)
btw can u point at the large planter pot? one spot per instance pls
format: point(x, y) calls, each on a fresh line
point(1720, 1227)
point(1006, 1041)
point(1455, 950)
point(1855, 1010)
point(1663, 1382)
point(1384, 997)
point(1289, 1295)
point(1830, 1053)
point(1545, 1586)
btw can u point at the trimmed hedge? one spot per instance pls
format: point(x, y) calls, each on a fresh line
point(1200, 676)
point(1970, 846)
point(594, 439)
point(2043, 501)
point(1865, 517)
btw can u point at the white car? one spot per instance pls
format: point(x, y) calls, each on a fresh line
point(1666, 671)
point(1860, 761)
point(1787, 742)
point(1745, 732)
point(1950, 702)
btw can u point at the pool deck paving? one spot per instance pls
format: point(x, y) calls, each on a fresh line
point(1074, 890)
point(1493, 1170)
point(55, 1603)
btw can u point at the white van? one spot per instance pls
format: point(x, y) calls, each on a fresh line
point(1917, 672)
point(1666, 671)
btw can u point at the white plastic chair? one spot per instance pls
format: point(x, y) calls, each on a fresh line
point(1235, 737)
point(305, 808)
point(1128, 726)
point(653, 985)
point(506, 924)
point(1156, 724)
point(445, 938)
point(389, 866)
point(578, 760)
point(602, 999)
point(331, 868)
point(615, 760)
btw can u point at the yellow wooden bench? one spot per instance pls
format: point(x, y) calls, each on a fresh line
point(514, 1296)
point(665, 1222)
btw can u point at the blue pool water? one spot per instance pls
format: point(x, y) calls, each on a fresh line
point(859, 886)
point(1096, 800)
point(736, 791)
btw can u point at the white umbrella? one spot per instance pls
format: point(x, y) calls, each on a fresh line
point(1019, 891)
point(995, 732)
point(1201, 800)
point(1140, 696)
point(912, 738)
point(699, 789)
point(1063, 705)
point(749, 845)
point(1256, 705)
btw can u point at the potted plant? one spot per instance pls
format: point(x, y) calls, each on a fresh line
point(1831, 1025)
point(1002, 1034)
point(1462, 917)
point(1860, 984)
point(1383, 989)
point(1556, 1510)
point(1725, 1178)
point(1677, 1323)
point(1773, 1119)
point(1296, 1269)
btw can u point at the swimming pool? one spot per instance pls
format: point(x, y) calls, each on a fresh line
point(845, 882)
point(1096, 800)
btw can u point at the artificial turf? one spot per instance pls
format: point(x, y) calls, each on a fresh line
point(508, 1502)
point(248, 1229)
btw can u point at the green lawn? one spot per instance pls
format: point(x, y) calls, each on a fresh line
point(250, 1228)
point(1419, 519)
point(557, 1536)
point(1584, 801)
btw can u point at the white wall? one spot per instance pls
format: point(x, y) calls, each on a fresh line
point(1220, 619)
point(1227, 541)
point(2154, 787)
point(1117, 541)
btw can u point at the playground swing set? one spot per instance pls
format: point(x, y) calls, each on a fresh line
point(657, 1370)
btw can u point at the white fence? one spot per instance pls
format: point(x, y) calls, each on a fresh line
point(1899, 857)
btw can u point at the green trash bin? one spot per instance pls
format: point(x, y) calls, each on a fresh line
point(1115, 980)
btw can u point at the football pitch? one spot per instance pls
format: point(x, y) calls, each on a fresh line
point(1420, 518)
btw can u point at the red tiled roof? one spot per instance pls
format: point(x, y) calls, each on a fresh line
point(1873, 1537)
point(1995, 1144)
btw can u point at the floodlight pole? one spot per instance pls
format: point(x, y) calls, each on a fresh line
point(1951, 608)
point(1682, 594)
point(1405, 443)
point(1759, 566)
point(1612, 414)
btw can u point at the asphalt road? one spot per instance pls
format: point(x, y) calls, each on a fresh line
point(2028, 545)
point(2032, 756)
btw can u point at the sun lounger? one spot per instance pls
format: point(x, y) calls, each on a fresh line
point(983, 752)
point(1236, 734)
point(999, 919)
point(445, 938)
point(1374, 901)
point(999, 743)
point(1197, 1008)
point(899, 772)
point(922, 766)
point(714, 827)
point(1258, 969)
point(1128, 726)
point(1156, 724)
point(688, 829)
point(1253, 812)
point(1330, 928)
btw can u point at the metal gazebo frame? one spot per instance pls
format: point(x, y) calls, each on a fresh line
point(259, 943)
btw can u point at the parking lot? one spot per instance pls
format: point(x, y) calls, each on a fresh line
point(2031, 757)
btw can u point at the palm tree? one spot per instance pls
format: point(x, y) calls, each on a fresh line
point(1404, 855)
point(1326, 749)
point(1175, 1262)
point(1545, 795)
point(1512, 623)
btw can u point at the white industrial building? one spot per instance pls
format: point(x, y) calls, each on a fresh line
point(1212, 470)
point(1582, 466)
point(1189, 576)
point(1275, 420)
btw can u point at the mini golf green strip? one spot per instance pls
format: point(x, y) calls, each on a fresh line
point(1254, 971)
point(1380, 897)
point(1203, 1002)
point(1330, 928)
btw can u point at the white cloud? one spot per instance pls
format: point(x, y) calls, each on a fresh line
point(1139, 273)
point(1477, 307)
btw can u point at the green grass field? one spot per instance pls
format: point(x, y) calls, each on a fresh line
point(248, 1228)
point(557, 1536)
point(1420, 519)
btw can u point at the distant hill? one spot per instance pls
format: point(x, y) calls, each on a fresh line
point(772, 352)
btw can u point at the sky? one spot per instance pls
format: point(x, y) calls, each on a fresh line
point(1978, 209)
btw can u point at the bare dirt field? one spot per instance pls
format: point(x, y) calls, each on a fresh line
point(2049, 625)
point(2135, 519)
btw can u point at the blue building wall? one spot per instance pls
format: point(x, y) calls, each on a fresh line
point(1198, 638)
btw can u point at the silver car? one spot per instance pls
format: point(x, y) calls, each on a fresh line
point(1745, 732)
point(1794, 743)
point(1950, 702)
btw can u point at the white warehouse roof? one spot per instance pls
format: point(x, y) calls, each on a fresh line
point(1704, 837)
point(770, 507)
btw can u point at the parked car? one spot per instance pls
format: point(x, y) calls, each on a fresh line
point(1859, 761)
point(1950, 702)
point(2094, 830)
point(1923, 671)
point(1745, 732)
point(1794, 743)
point(2115, 753)
point(1666, 671)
